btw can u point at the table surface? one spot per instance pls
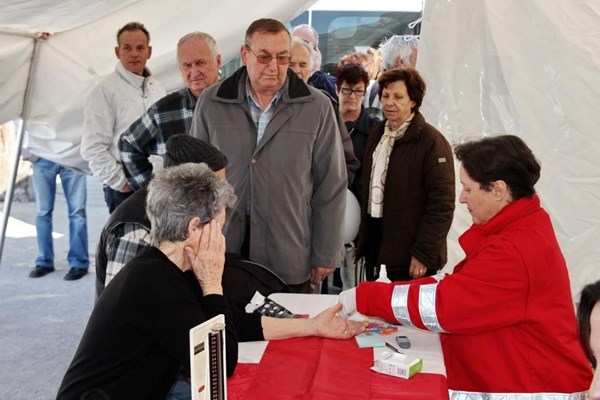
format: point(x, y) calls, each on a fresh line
point(254, 376)
point(425, 345)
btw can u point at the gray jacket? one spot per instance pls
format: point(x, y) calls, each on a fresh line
point(293, 183)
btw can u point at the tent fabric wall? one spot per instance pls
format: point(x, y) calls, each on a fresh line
point(529, 68)
point(80, 52)
point(15, 58)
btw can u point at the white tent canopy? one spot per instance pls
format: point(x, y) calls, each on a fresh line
point(80, 51)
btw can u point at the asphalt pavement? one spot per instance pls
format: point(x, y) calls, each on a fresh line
point(42, 319)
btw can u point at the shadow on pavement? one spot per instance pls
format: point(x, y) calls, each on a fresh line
point(42, 319)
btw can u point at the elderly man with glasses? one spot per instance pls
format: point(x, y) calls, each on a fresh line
point(286, 161)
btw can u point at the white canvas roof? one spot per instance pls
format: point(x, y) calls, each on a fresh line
point(80, 51)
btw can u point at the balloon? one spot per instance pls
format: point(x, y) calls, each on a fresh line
point(352, 217)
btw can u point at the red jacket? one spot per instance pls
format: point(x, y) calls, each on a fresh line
point(506, 315)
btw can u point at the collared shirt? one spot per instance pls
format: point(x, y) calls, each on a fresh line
point(261, 117)
point(123, 242)
point(149, 134)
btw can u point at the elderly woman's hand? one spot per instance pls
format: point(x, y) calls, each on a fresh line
point(329, 325)
point(209, 261)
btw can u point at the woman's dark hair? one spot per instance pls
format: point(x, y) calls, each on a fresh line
point(352, 74)
point(415, 85)
point(590, 295)
point(505, 158)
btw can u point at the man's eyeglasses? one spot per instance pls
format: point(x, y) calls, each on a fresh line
point(282, 59)
point(347, 91)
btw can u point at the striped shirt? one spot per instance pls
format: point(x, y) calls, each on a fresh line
point(261, 117)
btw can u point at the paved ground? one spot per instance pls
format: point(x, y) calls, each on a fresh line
point(41, 320)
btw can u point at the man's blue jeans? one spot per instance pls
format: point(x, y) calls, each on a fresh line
point(114, 198)
point(74, 187)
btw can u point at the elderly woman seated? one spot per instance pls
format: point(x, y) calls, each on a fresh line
point(136, 340)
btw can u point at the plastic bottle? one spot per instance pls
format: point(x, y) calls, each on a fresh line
point(383, 275)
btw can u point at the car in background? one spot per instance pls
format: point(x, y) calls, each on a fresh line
point(349, 26)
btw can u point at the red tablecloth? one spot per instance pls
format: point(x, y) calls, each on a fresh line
point(324, 369)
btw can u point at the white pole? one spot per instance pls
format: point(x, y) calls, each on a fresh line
point(20, 134)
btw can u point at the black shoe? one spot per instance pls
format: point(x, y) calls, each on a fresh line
point(75, 273)
point(38, 272)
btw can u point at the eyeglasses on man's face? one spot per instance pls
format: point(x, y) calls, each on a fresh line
point(347, 91)
point(266, 58)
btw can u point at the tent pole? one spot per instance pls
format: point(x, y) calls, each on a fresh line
point(20, 134)
point(11, 185)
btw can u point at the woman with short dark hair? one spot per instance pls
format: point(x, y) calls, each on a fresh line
point(351, 85)
point(407, 199)
point(516, 165)
point(505, 315)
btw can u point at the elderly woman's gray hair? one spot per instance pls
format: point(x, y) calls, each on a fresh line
point(299, 41)
point(178, 194)
point(398, 47)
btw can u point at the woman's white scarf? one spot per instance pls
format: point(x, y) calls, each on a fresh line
point(381, 159)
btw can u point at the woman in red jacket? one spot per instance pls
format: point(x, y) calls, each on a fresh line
point(505, 314)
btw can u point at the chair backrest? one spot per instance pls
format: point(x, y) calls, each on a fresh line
point(241, 279)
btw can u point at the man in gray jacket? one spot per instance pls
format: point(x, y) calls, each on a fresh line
point(286, 161)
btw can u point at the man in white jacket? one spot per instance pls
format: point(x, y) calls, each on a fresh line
point(113, 105)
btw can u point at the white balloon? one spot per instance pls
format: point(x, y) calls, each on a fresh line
point(352, 217)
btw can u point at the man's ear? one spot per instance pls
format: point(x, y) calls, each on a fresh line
point(243, 54)
point(399, 62)
point(117, 52)
point(149, 52)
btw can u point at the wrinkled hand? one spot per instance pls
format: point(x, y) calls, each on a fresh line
point(417, 268)
point(347, 299)
point(318, 274)
point(209, 261)
point(329, 325)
